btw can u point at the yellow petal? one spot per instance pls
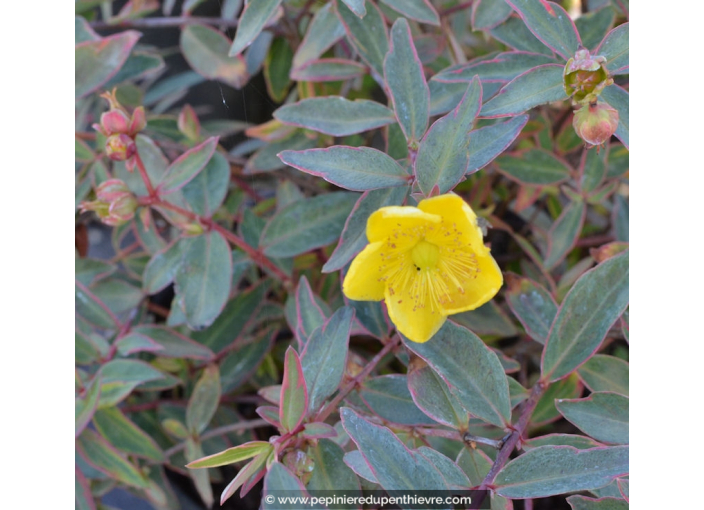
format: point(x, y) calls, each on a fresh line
point(477, 291)
point(455, 212)
point(362, 282)
point(399, 222)
point(418, 325)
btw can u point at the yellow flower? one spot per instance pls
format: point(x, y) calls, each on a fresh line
point(426, 262)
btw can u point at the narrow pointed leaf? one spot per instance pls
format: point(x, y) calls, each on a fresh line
point(232, 455)
point(593, 26)
point(84, 497)
point(247, 472)
point(354, 236)
point(280, 480)
point(614, 48)
point(323, 31)
point(451, 472)
point(335, 115)
point(105, 458)
point(472, 371)
point(353, 168)
point(475, 464)
point(395, 467)
point(540, 85)
point(307, 224)
point(550, 470)
point(490, 141)
point(443, 156)
point(251, 22)
point(357, 7)
point(204, 400)
point(328, 69)
point(419, 10)
point(356, 462)
point(92, 309)
point(294, 394)
point(368, 36)
point(404, 77)
point(489, 13)
point(125, 435)
point(163, 266)
point(432, 395)
point(99, 60)
point(515, 34)
point(504, 67)
point(605, 373)
point(204, 278)
point(618, 99)
point(565, 232)
point(584, 503)
point(324, 359)
point(532, 305)
point(121, 376)
point(173, 344)
point(536, 167)
point(86, 406)
point(308, 314)
point(207, 190)
point(550, 23)
point(331, 473)
point(388, 397)
point(206, 51)
point(187, 166)
point(593, 304)
point(602, 415)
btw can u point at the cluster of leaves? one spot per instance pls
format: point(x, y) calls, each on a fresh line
point(391, 101)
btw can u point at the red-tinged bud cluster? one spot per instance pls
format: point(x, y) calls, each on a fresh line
point(120, 128)
point(115, 203)
point(595, 123)
point(585, 77)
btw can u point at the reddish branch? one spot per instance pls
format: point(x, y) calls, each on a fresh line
point(164, 22)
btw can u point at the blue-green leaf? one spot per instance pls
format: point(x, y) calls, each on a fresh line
point(540, 85)
point(602, 415)
point(368, 36)
point(251, 22)
point(490, 141)
point(614, 48)
point(618, 99)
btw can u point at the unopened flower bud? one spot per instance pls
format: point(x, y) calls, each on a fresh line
point(114, 122)
point(111, 190)
point(585, 77)
point(120, 147)
point(138, 121)
point(122, 209)
point(595, 123)
point(188, 123)
point(115, 203)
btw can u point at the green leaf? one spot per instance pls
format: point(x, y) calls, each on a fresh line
point(368, 36)
point(489, 319)
point(277, 68)
point(335, 115)
point(579, 442)
point(88, 270)
point(106, 459)
point(354, 235)
point(85, 407)
point(593, 304)
point(594, 25)
point(353, 168)
point(206, 51)
point(323, 31)
point(280, 480)
point(232, 455)
point(602, 415)
point(605, 373)
point(592, 170)
point(84, 497)
point(489, 13)
point(620, 218)
point(170, 86)
point(403, 73)
point(120, 376)
point(204, 400)
point(618, 99)
point(443, 156)
point(203, 279)
point(309, 315)
point(453, 474)
point(546, 412)
point(419, 10)
point(395, 467)
point(550, 24)
point(584, 503)
point(293, 405)
point(370, 315)
point(472, 371)
point(233, 319)
point(83, 31)
point(134, 342)
point(432, 395)
point(328, 69)
point(532, 305)
point(99, 60)
point(388, 397)
point(514, 33)
point(251, 22)
point(267, 159)
point(540, 85)
point(307, 224)
point(357, 7)
point(92, 309)
point(201, 479)
point(245, 476)
point(125, 435)
point(324, 357)
point(490, 141)
point(550, 470)
point(239, 364)
point(475, 464)
point(118, 295)
point(564, 233)
point(138, 65)
point(187, 166)
point(208, 188)
point(535, 166)
point(331, 473)
point(503, 67)
point(355, 461)
point(163, 266)
point(614, 48)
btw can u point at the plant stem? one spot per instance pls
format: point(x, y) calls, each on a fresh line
point(352, 384)
point(145, 175)
point(164, 22)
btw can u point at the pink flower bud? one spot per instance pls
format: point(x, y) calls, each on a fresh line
point(111, 189)
point(122, 209)
point(115, 203)
point(595, 123)
point(114, 122)
point(138, 122)
point(585, 77)
point(120, 147)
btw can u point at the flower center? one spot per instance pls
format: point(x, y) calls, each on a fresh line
point(425, 255)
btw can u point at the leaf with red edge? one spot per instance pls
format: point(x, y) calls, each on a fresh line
point(607, 503)
point(232, 455)
point(187, 166)
point(328, 69)
point(251, 22)
point(323, 31)
point(294, 394)
point(101, 455)
point(550, 24)
point(249, 471)
point(564, 233)
point(84, 497)
point(270, 414)
point(368, 36)
point(99, 60)
point(614, 48)
point(205, 49)
point(86, 406)
point(532, 305)
point(309, 315)
point(419, 10)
